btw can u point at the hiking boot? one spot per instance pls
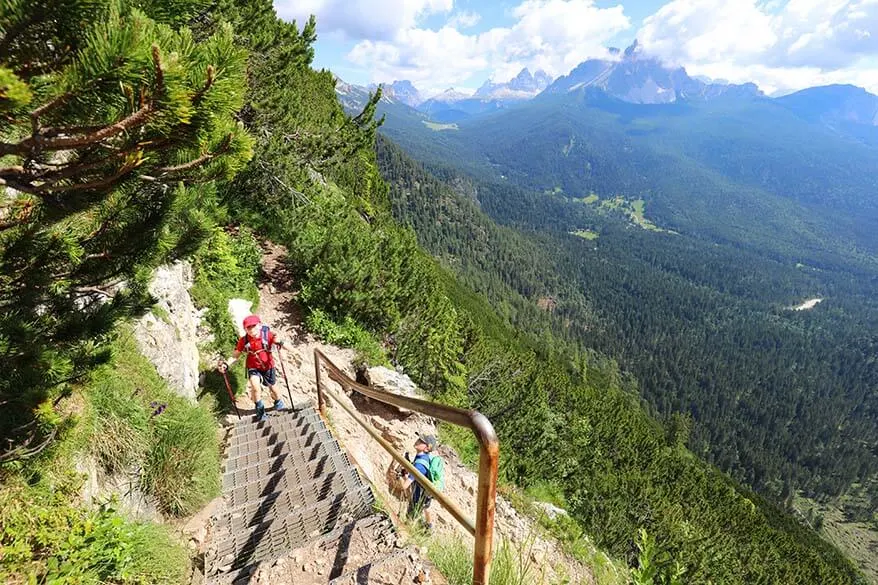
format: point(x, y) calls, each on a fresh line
point(260, 411)
point(278, 405)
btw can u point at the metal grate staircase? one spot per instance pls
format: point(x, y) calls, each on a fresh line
point(286, 483)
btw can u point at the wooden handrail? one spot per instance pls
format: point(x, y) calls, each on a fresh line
point(489, 455)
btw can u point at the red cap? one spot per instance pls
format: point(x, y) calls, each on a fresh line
point(251, 320)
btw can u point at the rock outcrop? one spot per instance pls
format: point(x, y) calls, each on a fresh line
point(168, 334)
point(392, 381)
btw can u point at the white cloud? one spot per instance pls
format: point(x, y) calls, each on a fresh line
point(362, 19)
point(781, 47)
point(465, 19)
point(554, 35)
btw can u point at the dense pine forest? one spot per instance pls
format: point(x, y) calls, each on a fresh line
point(228, 124)
point(696, 302)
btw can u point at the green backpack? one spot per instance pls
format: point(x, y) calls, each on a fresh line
point(437, 472)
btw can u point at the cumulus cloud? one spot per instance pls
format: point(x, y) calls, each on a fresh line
point(465, 19)
point(362, 19)
point(779, 46)
point(554, 35)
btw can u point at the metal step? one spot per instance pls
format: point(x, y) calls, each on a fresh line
point(280, 504)
point(286, 484)
point(286, 477)
point(263, 463)
point(298, 428)
point(295, 438)
point(275, 420)
point(273, 538)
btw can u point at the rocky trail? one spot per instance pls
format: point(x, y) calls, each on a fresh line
point(354, 545)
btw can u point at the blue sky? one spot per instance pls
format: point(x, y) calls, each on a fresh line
point(782, 45)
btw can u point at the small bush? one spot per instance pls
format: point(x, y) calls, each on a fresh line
point(45, 539)
point(226, 266)
point(347, 334)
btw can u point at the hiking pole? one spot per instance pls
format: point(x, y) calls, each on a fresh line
point(231, 394)
point(283, 369)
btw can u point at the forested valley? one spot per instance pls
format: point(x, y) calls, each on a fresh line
point(238, 133)
point(697, 306)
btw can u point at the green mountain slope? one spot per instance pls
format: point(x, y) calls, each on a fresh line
point(701, 314)
point(616, 467)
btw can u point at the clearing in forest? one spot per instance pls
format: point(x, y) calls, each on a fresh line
point(437, 127)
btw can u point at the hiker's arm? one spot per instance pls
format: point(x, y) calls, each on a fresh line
point(231, 361)
point(275, 340)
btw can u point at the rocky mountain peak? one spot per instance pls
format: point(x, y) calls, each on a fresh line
point(642, 79)
point(632, 51)
point(403, 91)
point(523, 86)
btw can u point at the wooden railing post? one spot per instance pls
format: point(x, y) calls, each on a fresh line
point(489, 459)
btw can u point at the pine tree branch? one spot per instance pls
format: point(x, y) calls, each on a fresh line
point(159, 72)
point(52, 131)
point(208, 84)
point(99, 184)
point(38, 143)
point(50, 105)
point(67, 170)
point(223, 148)
point(24, 450)
point(23, 181)
point(92, 290)
point(23, 187)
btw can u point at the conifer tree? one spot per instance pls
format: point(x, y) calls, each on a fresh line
point(115, 124)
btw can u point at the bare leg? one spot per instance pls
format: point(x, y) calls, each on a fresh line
point(255, 383)
point(274, 393)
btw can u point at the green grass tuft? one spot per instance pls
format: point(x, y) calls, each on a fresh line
point(176, 449)
point(512, 564)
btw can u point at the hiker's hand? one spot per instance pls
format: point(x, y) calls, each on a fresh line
point(222, 366)
point(279, 343)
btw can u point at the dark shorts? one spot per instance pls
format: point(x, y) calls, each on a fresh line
point(267, 377)
point(421, 500)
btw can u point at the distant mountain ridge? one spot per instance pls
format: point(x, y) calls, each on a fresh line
point(832, 104)
point(525, 85)
point(638, 78)
point(631, 76)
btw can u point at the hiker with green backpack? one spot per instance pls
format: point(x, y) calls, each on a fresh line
point(433, 468)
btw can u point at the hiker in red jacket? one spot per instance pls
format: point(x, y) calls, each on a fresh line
point(258, 342)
